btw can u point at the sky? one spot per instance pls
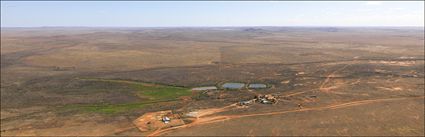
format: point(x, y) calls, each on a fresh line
point(210, 13)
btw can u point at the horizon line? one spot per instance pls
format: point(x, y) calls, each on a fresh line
point(241, 26)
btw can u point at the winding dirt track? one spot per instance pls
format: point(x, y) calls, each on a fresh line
point(204, 119)
point(328, 78)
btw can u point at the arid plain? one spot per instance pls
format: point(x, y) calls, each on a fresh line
point(325, 80)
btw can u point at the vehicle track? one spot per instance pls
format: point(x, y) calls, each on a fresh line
point(328, 78)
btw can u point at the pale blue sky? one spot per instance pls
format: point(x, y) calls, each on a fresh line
point(190, 13)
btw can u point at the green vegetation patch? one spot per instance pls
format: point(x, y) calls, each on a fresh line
point(152, 93)
point(161, 92)
point(107, 108)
